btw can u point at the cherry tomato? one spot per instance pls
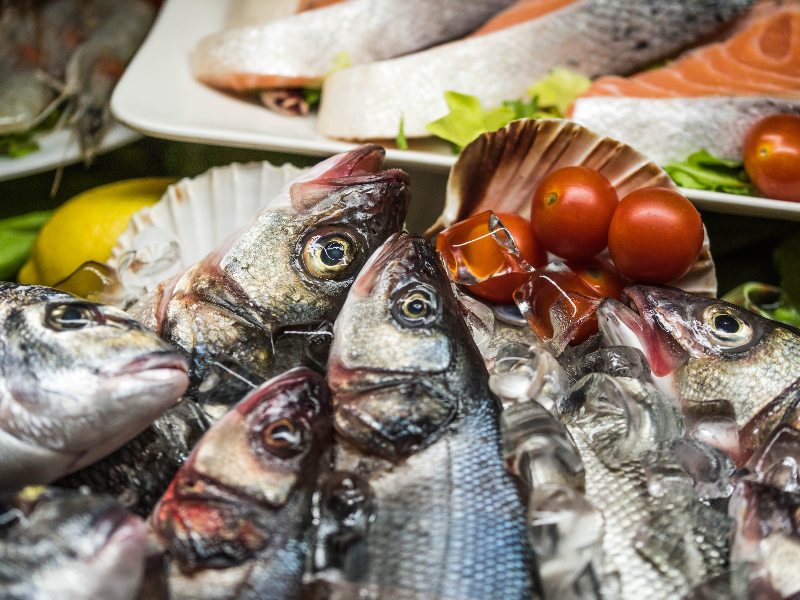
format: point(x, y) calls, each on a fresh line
point(571, 212)
point(601, 276)
point(655, 236)
point(771, 155)
point(501, 289)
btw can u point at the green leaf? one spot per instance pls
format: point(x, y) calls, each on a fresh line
point(787, 262)
point(16, 237)
point(341, 61)
point(558, 89)
point(467, 119)
point(402, 143)
point(312, 94)
point(16, 145)
point(702, 171)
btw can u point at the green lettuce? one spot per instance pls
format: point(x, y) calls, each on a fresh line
point(401, 140)
point(701, 171)
point(16, 238)
point(549, 98)
point(467, 119)
point(16, 145)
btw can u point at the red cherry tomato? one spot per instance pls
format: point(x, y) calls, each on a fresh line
point(601, 276)
point(501, 289)
point(571, 212)
point(655, 236)
point(771, 155)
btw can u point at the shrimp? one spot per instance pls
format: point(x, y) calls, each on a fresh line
point(97, 65)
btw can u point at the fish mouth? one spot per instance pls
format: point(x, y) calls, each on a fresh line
point(634, 322)
point(118, 528)
point(165, 360)
point(364, 160)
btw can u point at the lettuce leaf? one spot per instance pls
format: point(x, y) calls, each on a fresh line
point(701, 171)
point(558, 90)
point(16, 145)
point(467, 119)
point(16, 238)
point(401, 140)
point(549, 99)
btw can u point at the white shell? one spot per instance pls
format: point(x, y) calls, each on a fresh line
point(192, 218)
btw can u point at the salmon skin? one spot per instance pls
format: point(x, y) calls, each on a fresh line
point(303, 48)
point(592, 37)
point(710, 97)
point(420, 428)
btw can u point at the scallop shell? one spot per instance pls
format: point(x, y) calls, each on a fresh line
point(191, 219)
point(500, 170)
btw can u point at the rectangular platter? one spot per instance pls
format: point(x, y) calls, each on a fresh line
point(158, 96)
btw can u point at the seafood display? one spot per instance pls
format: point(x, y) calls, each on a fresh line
point(710, 97)
point(59, 61)
point(79, 380)
point(590, 37)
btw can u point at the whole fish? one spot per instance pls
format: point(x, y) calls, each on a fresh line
point(658, 539)
point(592, 37)
point(304, 48)
point(288, 268)
point(420, 426)
point(78, 380)
point(734, 373)
point(236, 518)
point(71, 545)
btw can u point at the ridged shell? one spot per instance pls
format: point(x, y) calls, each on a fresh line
point(500, 170)
point(192, 218)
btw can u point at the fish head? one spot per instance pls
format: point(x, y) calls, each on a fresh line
point(402, 364)
point(300, 255)
point(249, 479)
point(73, 545)
point(80, 378)
point(704, 352)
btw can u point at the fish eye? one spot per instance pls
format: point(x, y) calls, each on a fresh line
point(727, 328)
point(331, 255)
point(416, 307)
point(285, 437)
point(65, 317)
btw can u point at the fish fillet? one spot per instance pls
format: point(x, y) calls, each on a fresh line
point(708, 99)
point(593, 37)
point(254, 12)
point(302, 48)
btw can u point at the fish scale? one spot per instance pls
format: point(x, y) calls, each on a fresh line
point(621, 495)
point(450, 509)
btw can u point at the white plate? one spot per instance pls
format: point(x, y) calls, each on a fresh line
point(59, 149)
point(158, 96)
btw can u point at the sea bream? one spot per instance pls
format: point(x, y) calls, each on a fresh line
point(734, 373)
point(78, 380)
point(303, 48)
point(70, 545)
point(506, 56)
point(289, 267)
point(420, 428)
point(236, 519)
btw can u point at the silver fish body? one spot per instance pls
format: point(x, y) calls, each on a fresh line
point(72, 545)
point(237, 517)
point(303, 48)
point(411, 400)
point(725, 366)
point(287, 269)
point(657, 541)
point(78, 380)
point(592, 37)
